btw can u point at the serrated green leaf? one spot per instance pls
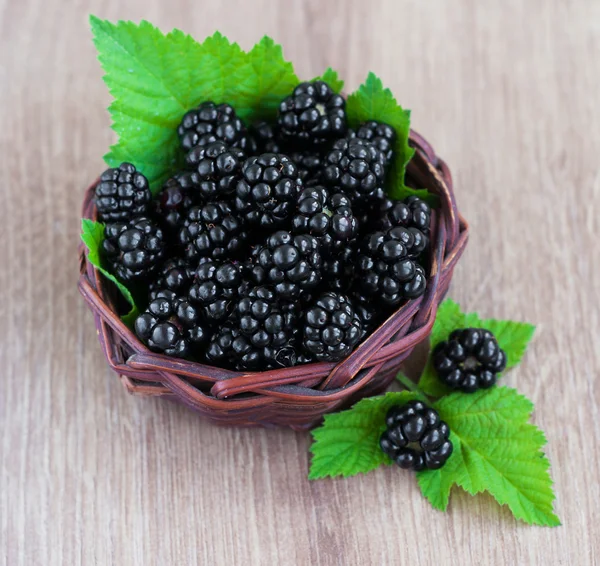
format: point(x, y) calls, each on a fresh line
point(92, 235)
point(332, 78)
point(347, 443)
point(513, 337)
point(496, 450)
point(374, 102)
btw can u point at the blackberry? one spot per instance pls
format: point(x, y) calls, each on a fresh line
point(412, 212)
point(175, 275)
point(356, 167)
point(171, 325)
point(211, 122)
point(212, 230)
point(267, 138)
point(384, 269)
point(415, 437)
point(331, 328)
point(338, 268)
point(133, 249)
point(215, 288)
point(469, 360)
point(122, 194)
point(310, 166)
point(267, 192)
point(382, 136)
point(292, 264)
point(312, 114)
point(327, 217)
point(366, 310)
point(175, 199)
point(218, 169)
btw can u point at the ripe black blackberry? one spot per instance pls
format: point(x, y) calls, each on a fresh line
point(133, 249)
point(356, 167)
point(384, 269)
point(292, 264)
point(122, 194)
point(218, 169)
point(412, 212)
point(327, 217)
point(469, 360)
point(211, 122)
point(267, 192)
point(310, 166)
point(175, 199)
point(338, 268)
point(415, 437)
point(174, 275)
point(312, 114)
point(212, 230)
point(171, 325)
point(267, 137)
point(367, 311)
point(215, 288)
point(332, 328)
point(381, 135)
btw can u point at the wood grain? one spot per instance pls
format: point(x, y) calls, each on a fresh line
point(507, 93)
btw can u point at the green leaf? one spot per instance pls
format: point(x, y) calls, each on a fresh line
point(373, 102)
point(155, 79)
point(332, 78)
point(496, 450)
point(92, 235)
point(513, 337)
point(347, 443)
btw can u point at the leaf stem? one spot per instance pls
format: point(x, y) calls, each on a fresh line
point(408, 383)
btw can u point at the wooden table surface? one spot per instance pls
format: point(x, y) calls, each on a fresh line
point(507, 92)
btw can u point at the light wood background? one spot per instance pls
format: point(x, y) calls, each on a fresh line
point(508, 92)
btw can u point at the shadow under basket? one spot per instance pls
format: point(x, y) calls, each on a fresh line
point(299, 396)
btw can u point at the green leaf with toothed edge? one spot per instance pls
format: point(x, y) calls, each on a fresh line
point(496, 450)
point(92, 235)
point(332, 78)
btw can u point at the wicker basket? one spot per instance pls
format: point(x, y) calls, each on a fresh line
point(297, 397)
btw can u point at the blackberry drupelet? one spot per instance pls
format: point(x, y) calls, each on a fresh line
point(174, 275)
point(215, 288)
point(218, 169)
point(134, 249)
point(382, 136)
point(211, 122)
point(384, 269)
point(327, 217)
point(292, 264)
point(212, 230)
point(175, 199)
point(267, 137)
point(415, 437)
point(171, 325)
point(122, 194)
point(356, 167)
point(310, 166)
point(331, 328)
point(312, 114)
point(469, 360)
point(267, 192)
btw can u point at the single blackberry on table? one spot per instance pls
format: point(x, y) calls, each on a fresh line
point(215, 288)
point(469, 360)
point(415, 437)
point(122, 194)
point(267, 193)
point(356, 167)
point(171, 325)
point(312, 114)
point(175, 199)
point(327, 217)
point(310, 166)
point(217, 167)
point(381, 135)
point(211, 122)
point(174, 275)
point(212, 230)
point(267, 137)
point(384, 269)
point(292, 264)
point(332, 328)
point(133, 249)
